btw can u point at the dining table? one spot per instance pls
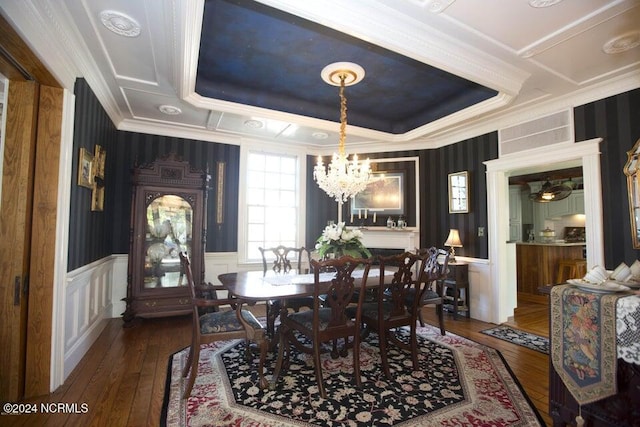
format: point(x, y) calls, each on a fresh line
point(257, 286)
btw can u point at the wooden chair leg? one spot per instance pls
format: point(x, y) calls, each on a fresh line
point(413, 344)
point(194, 372)
point(440, 312)
point(273, 310)
point(356, 358)
point(383, 337)
point(283, 342)
point(264, 346)
point(318, 369)
point(420, 316)
point(187, 366)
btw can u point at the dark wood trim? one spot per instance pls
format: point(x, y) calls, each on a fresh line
point(15, 221)
point(18, 59)
point(43, 255)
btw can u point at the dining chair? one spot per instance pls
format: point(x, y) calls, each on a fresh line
point(434, 271)
point(327, 321)
point(390, 311)
point(221, 325)
point(280, 259)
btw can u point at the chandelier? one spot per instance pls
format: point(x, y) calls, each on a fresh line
point(343, 178)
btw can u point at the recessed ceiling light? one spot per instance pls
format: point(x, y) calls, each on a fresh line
point(320, 135)
point(170, 110)
point(543, 3)
point(120, 23)
point(622, 43)
point(253, 123)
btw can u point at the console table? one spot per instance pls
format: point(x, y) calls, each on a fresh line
point(456, 289)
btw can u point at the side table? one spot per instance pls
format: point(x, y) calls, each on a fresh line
point(456, 289)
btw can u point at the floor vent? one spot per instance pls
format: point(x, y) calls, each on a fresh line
point(552, 129)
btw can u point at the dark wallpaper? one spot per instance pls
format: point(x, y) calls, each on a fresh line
point(94, 235)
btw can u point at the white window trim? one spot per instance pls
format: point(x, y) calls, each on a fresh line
point(301, 157)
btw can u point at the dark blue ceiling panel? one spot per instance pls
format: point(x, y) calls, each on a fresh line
point(256, 55)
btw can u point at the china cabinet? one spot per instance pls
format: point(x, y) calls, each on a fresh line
point(167, 217)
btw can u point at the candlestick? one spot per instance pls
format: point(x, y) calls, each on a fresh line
point(351, 216)
point(365, 213)
point(359, 213)
point(374, 216)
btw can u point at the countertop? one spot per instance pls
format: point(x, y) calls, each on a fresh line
point(551, 244)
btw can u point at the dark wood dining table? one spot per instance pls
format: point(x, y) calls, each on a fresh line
point(256, 286)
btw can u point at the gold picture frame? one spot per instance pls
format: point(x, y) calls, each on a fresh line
point(459, 192)
point(99, 157)
point(85, 169)
point(97, 198)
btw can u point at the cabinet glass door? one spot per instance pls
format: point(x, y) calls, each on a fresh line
point(169, 231)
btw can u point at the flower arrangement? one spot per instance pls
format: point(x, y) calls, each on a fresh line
point(339, 240)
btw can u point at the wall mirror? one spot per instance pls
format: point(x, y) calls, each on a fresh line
point(459, 192)
point(169, 232)
point(633, 189)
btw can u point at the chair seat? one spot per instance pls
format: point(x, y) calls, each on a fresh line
point(226, 321)
point(305, 318)
point(428, 295)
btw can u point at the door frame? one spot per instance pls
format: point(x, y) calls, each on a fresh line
point(585, 153)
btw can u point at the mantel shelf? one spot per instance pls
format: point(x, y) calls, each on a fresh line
point(391, 238)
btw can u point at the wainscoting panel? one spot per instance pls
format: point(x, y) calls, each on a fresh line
point(88, 303)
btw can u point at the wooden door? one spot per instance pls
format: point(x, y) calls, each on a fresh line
point(28, 218)
point(15, 233)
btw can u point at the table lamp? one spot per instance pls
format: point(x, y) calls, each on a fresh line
point(453, 241)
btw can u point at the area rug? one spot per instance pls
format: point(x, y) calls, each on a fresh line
point(516, 336)
point(459, 383)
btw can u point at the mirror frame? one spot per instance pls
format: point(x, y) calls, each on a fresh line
point(631, 170)
point(458, 192)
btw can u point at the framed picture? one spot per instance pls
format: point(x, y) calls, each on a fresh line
point(384, 194)
point(99, 158)
point(459, 192)
point(97, 198)
point(85, 166)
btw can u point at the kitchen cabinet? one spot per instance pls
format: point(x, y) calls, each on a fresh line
point(572, 205)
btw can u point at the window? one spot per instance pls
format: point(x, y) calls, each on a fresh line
point(271, 202)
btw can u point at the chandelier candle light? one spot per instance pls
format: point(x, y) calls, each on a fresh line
point(343, 178)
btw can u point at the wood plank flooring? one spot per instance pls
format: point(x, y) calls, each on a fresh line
point(122, 377)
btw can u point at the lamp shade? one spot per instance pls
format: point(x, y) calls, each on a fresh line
point(454, 239)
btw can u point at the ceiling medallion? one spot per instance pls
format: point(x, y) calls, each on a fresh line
point(438, 6)
point(543, 3)
point(120, 23)
point(170, 110)
point(253, 123)
point(622, 43)
point(320, 135)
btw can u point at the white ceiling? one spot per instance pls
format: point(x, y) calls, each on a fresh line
point(532, 56)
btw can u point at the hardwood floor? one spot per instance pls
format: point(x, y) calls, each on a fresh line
point(122, 377)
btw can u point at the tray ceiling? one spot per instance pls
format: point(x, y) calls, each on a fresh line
point(238, 70)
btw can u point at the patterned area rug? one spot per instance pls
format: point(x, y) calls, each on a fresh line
point(459, 383)
point(516, 336)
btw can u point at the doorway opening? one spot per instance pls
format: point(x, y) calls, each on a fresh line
point(501, 250)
